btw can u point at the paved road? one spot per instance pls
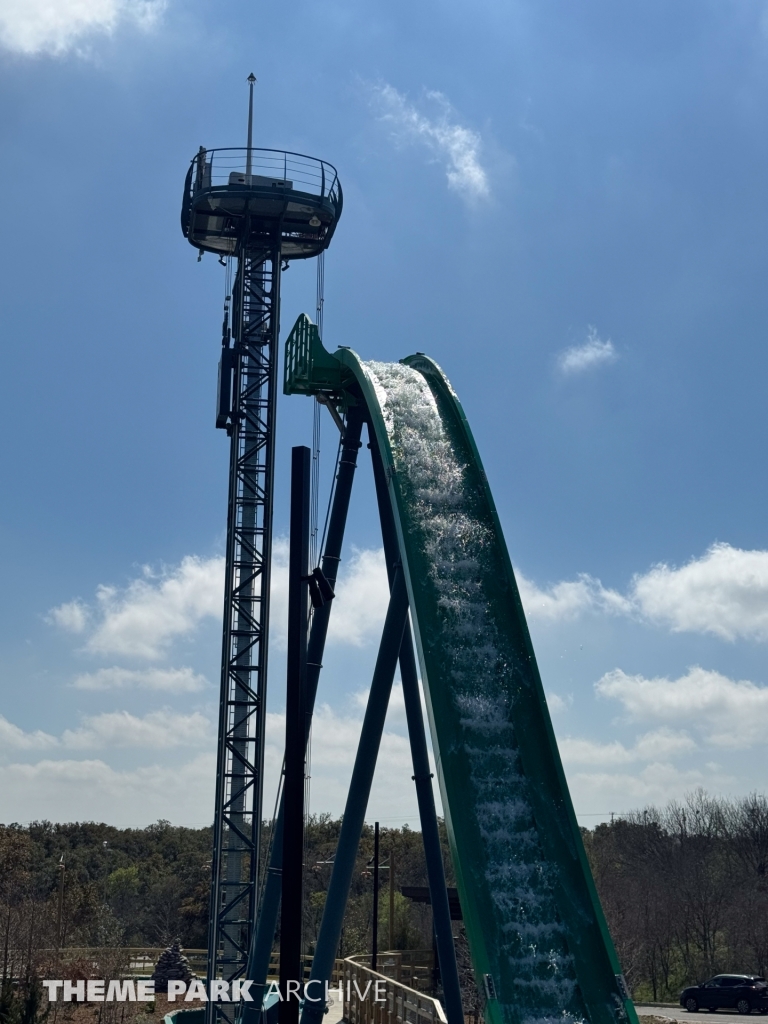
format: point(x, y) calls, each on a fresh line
point(678, 1013)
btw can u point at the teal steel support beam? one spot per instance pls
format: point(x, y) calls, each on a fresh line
point(357, 800)
point(295, 737)
point(269, 906)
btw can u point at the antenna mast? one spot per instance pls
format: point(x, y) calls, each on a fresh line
point(248, 160)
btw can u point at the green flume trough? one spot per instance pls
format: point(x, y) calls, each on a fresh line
point(539, 943)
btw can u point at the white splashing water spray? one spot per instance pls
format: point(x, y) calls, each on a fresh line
point(532, 947)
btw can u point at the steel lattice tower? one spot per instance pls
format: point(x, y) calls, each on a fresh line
point(263, 208)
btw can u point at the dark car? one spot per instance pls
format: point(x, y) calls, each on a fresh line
point(741, 992)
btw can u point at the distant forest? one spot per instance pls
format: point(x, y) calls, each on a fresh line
point(684, 888)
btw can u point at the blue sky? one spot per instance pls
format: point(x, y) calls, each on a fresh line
point(564, 204)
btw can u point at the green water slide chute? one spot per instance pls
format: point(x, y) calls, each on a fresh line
point(539, 942)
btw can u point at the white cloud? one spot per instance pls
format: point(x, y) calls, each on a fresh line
point(594, 352)
point(174, 680)
point(144, 618)
point(72, 615)
point(730, 713)
point(596, 794)
point(557, 704)
point(121, 729)
point(362, 599)
point(724, 592)
point(141, 620)
point(456, 146)
point(90, 790)
point(335, 738)
point(182, 792)
point(360, 605)
point(154, 610)
point(32, 27)
point(14, 738)
point(569, 598)
point(114, 729)
point(661, 745)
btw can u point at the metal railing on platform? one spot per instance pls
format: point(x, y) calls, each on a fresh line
point(401, 1003)
point(264, 168)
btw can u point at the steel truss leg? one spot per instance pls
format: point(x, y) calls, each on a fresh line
point(422, 776)
point(264, 933)
point(239, 778)
point(357, 799)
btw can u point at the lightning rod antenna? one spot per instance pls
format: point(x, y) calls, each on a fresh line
point(251, 80)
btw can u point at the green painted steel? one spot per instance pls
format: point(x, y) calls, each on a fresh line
point(539, 942)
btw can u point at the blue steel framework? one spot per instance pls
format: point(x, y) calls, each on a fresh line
point(262, 207)
point(251, 425)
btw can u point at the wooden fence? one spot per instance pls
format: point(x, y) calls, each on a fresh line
point(139, 961)
point(400, 1004)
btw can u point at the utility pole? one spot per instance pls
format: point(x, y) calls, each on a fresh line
point(295, 712)
point(375, 941)
point(105, 847)
point(60, 918)
point(392, 898)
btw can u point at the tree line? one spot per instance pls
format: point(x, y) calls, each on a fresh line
point(684, 889)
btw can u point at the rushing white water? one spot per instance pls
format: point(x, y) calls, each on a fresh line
point(529, 937)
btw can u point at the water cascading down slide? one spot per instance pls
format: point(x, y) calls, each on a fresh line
point(539, 943)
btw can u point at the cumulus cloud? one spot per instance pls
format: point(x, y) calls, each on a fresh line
point(174, 680)
point(360, 605)
point(455, 145)
point(557, 704)
point(569, 598)
point(730, 713)
point(363, 597)
point(655, 783)
point(32, 27)
point(71, 616)
point(724, 592)
point(14, 738)
point(142, 619)
point(335, 736)
point(122, 729)
point(91, 790)
point(113, 729)
point(593, 353)
point(661, 745)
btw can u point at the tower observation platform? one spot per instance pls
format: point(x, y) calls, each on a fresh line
point(250, 197)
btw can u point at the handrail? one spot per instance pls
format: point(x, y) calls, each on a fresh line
point(400, 1005)
point(212, 168)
